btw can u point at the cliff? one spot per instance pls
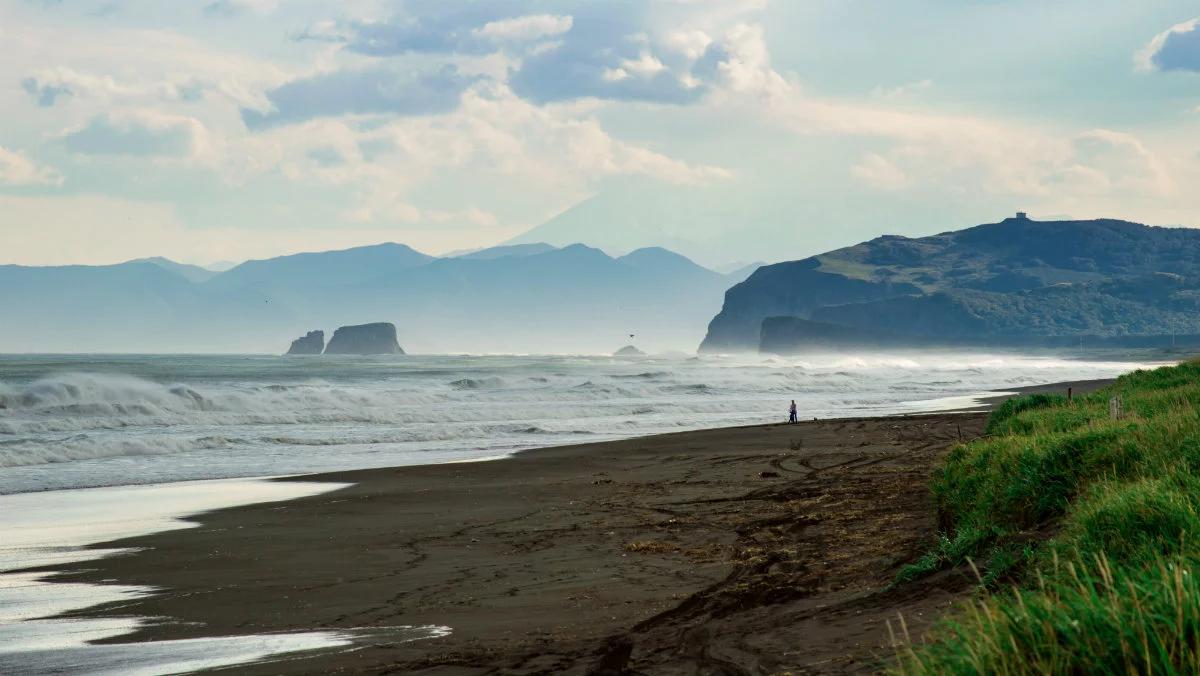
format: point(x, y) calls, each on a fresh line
point(1016, 282)
point(378, 338)
point(311, 343)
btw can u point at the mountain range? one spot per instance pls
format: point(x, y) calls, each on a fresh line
point(519, 298)
point(1016, 282)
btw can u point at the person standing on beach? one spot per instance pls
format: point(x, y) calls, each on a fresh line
point(792, 412)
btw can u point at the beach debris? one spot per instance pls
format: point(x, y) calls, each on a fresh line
point(651, 547)
point(768, 475)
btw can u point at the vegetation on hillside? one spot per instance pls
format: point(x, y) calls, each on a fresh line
point(1086, 529)
point(1000, 283)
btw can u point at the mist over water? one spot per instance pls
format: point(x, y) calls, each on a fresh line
point(83, 421)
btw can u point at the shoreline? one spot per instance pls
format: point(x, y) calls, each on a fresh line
point(651, 553)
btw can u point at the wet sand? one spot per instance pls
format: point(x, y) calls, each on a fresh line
point(742, 550)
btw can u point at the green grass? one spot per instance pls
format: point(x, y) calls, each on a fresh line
point(1096, 521)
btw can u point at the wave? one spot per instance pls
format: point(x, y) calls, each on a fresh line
point(477, 383)
point(648, 375)
point(24, 453)
point(273, 421)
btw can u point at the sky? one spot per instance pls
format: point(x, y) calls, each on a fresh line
point(734, 130)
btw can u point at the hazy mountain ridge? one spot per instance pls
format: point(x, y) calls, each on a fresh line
point(506, 299)
point(1004, 282)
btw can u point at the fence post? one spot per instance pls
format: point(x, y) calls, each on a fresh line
point(1115, 407)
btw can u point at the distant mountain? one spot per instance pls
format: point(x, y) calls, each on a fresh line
point(192, 273)
point(298, 274)
point(712, 225)
point(528, 298)
point(130, 307)
point(1002, 283)
point(576, 298)
point(506, 251)
point(740, 273)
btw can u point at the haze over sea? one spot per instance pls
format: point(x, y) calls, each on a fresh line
point(87, 420)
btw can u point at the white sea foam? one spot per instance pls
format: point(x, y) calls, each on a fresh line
point(49, 528)
point(88, 421)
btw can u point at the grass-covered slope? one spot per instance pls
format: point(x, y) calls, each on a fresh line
point(1094, 519)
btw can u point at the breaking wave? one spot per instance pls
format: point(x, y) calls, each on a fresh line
point(166, 418)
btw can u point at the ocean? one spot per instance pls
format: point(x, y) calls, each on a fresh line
point(102, 447)
point(87, 421)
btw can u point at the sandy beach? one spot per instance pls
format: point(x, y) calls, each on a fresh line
point(742, 550)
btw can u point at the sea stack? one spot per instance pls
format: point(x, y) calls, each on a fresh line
point(378, 338)
point(312, 343)
point(629, 351)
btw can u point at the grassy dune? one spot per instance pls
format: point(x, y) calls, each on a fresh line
point(1084, 528)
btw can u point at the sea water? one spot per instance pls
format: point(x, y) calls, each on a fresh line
point(86, 421)
point(54, 527)
point(94, 448)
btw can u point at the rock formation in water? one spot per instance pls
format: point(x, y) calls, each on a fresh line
point(378, 338)
point(312, 343)
point(629, 351)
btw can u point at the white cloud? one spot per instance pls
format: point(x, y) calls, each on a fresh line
point(48, 85)
point(1151, 57)
point(646, 65)
point(746, 66)
point(690, 43)
point(16, 169)
point(525, 28)
point(141, 133)
point(880, 172)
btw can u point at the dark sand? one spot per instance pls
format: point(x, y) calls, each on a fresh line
point(742, 550)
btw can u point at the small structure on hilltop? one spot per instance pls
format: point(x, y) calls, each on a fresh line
point(1022, 216)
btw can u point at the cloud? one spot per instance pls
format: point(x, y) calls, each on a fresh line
point(524, 28)
point(50, 86)
point(903, 91)
point(373, 90)
point(46, 94)
point(100, 229)
point(142, 133)
point(607, 57)
point(431, 27)
point(18, 170)
point(390, 208)
point(228, 8)
point(1177, 48)
point(634, 51)
point(880, 172)
point(1106, 162)
point(741, 64)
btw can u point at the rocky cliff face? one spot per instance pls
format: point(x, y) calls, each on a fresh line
point(1015, 282)
point(792, 289)
point(311, 343)
point(379, 338)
